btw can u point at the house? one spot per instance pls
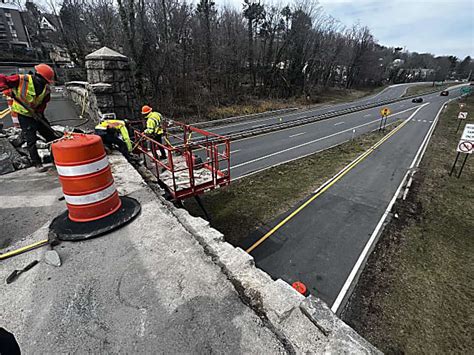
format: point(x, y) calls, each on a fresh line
point(13, 33)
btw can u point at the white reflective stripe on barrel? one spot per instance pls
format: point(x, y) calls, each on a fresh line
point(84, 169)
point(91, 198)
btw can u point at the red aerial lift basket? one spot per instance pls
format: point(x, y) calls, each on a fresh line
point(197, 160)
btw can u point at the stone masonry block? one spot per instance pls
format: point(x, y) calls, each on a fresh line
point(107, 76)
point(121, 75)
point(123, 113)
point(104, 101)
point(94, 64)
point(94, 76)
point(110, 65)
point(116, 87)
point(120, 100)
point(125, 86)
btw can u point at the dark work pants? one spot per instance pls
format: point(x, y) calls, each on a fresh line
point(8, 343)
point(111, 138)
point(30, 127)
point(159, 139)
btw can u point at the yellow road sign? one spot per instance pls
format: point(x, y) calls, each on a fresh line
point(385, 111)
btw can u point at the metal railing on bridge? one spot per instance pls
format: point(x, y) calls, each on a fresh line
point(196, 160)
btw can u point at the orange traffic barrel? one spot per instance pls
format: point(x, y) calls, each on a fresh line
point(86, 178)
point(301, 288)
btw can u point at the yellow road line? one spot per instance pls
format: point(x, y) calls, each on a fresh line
point(336, 178)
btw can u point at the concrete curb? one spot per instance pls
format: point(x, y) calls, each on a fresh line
point(302, 324)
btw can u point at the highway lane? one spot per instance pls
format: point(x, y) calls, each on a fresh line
point(321, 244)
point(261, 152)
point(391, 92)
point(59, 111)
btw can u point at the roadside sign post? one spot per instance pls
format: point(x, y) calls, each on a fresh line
point(465, 146)
point(384, 112)
point(461, 116)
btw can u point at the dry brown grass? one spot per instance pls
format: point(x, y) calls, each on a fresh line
point(416, 293)
point(255, 200)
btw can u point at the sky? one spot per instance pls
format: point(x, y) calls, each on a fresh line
point(440, 27)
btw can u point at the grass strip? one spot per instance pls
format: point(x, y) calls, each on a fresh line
point(416, 293)
point(254, 201)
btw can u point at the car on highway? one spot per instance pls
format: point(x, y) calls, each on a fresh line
point(444, 93)
point(417, 100)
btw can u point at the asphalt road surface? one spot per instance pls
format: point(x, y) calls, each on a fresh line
point(59, 111)
point(391, 92)
point(321, 244)
point(257, 153)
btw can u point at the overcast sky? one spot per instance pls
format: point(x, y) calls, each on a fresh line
point(441, 27)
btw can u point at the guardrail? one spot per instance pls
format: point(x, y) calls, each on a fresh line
point(245, 133)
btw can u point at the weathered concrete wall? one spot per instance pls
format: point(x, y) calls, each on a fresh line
point(306, 324)
point(109, 86)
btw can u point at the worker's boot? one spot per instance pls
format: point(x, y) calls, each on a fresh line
point(135, 158)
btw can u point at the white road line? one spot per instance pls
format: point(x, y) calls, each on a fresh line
point(314, 123)
point(362, 257)
point(318, 139)
point(297, 134)
point(234, 151)
point(424, 121)
point(297, 158)
point(368, 115)
point(286, 161)
point(337, 124)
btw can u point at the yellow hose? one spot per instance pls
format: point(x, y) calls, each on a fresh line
point(23, 249)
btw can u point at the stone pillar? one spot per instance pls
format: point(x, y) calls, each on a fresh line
point(111, 83)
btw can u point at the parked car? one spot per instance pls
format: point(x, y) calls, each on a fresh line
point(444, 93)
point(417, 100)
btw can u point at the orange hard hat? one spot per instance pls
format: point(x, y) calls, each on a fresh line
point(146, 110)
point(45, 71)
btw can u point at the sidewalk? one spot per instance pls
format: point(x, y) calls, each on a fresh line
point(151, 287)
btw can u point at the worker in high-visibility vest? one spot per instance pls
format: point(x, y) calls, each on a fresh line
point(115, 133)
point(31, 94)
point(153, 127)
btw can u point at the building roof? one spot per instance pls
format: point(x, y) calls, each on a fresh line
point(7, 4)
point(52, 19)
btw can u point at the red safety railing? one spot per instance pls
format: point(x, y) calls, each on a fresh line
point(197, 160)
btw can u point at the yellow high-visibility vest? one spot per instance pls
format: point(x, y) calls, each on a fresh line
point(120, 126)
point(153, 123)
point(26, 94)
